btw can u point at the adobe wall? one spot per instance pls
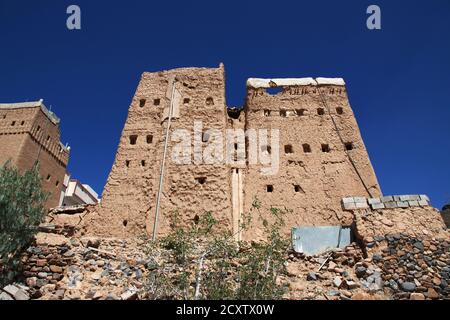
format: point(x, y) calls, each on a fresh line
point(34, 137)
point(322, 178)
point(129, 199)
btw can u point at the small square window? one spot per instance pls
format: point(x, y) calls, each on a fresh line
point(325, 148)
point(306, 148)
point(133, 139)
point(283, 113)
point(269, 188)
point(142, 103)
point(143, 163)
point(297, 188)
point(13, 123)
point(339, 110)
point(300, 112)
point(288, 149)
point(348, 146)
point(157, 102)
point(186, 100)
point(149, 139)
point(209, 101)
point(320, 111)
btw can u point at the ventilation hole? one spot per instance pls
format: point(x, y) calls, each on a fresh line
point(201, 180)
point(209, 101)
point(149, 139)
point(22, 123)
point(49, 177)
point(4, 116)
point(57, 183)
point(142, 103)
point(125, 223)
point(320, 111)
point(13, 123)
point(266, 113)
point(143, 163)
point(269, 188)
point(283, 113)
point(157, 102)
point(274, 90)
point(297, 188)
point(196, 219)
point(288, 149)
point(300, 112)
point(325, 148)
point(186, 100)
point(235, 146)
point(133, 139)
point(306, 148)
point(127, 163)
point(348, 146)
point(339, 110)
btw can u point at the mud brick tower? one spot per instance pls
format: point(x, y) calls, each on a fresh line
point(322, 157)
point(29, 132)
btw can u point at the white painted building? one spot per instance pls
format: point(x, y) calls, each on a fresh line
point(75, 193)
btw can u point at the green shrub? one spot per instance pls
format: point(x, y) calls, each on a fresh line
point(21, 211)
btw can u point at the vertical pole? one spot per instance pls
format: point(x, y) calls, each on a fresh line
point(163, 164)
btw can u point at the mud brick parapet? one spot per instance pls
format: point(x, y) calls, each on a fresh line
point(386, 202)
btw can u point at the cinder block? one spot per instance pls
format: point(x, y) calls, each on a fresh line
point(387, 199)
point(360, 199)
point(376, 206)
point(348, 200)
point(402, 204)
point(424, 203)
point(374, 200)
point(413, 203)
point(424, 197)
point(350, 206)
point(390, 204)
point(360, 205)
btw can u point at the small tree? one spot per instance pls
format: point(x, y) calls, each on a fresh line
point(21, 211)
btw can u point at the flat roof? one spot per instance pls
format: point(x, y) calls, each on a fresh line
point(33, 104)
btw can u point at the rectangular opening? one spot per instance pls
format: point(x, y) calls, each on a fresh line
point(300, 112)
point(127, 163)
point(339, 110)
point(201, 180)
point(205, 137)
point(157, 102)
point(133, 139)
point(283, 113)
point(266, 113)
point(149, 138)
point(269, 188)
point(325, 148)
point(306, 148)
point(143, 163)
point(142, 103)
point(348, 146)
point(288, 149)
point(186, 100)
point(320, 111)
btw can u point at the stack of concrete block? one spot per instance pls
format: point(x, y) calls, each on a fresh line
point(386, 202)
point(352, 203)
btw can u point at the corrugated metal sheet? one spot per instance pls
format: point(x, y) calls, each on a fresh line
point(312, 240)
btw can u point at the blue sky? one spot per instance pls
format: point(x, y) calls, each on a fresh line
point(398, 77)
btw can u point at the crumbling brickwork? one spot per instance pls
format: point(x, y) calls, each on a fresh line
point(30, 133)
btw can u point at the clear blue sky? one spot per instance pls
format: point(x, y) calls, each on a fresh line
point(398, 78)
